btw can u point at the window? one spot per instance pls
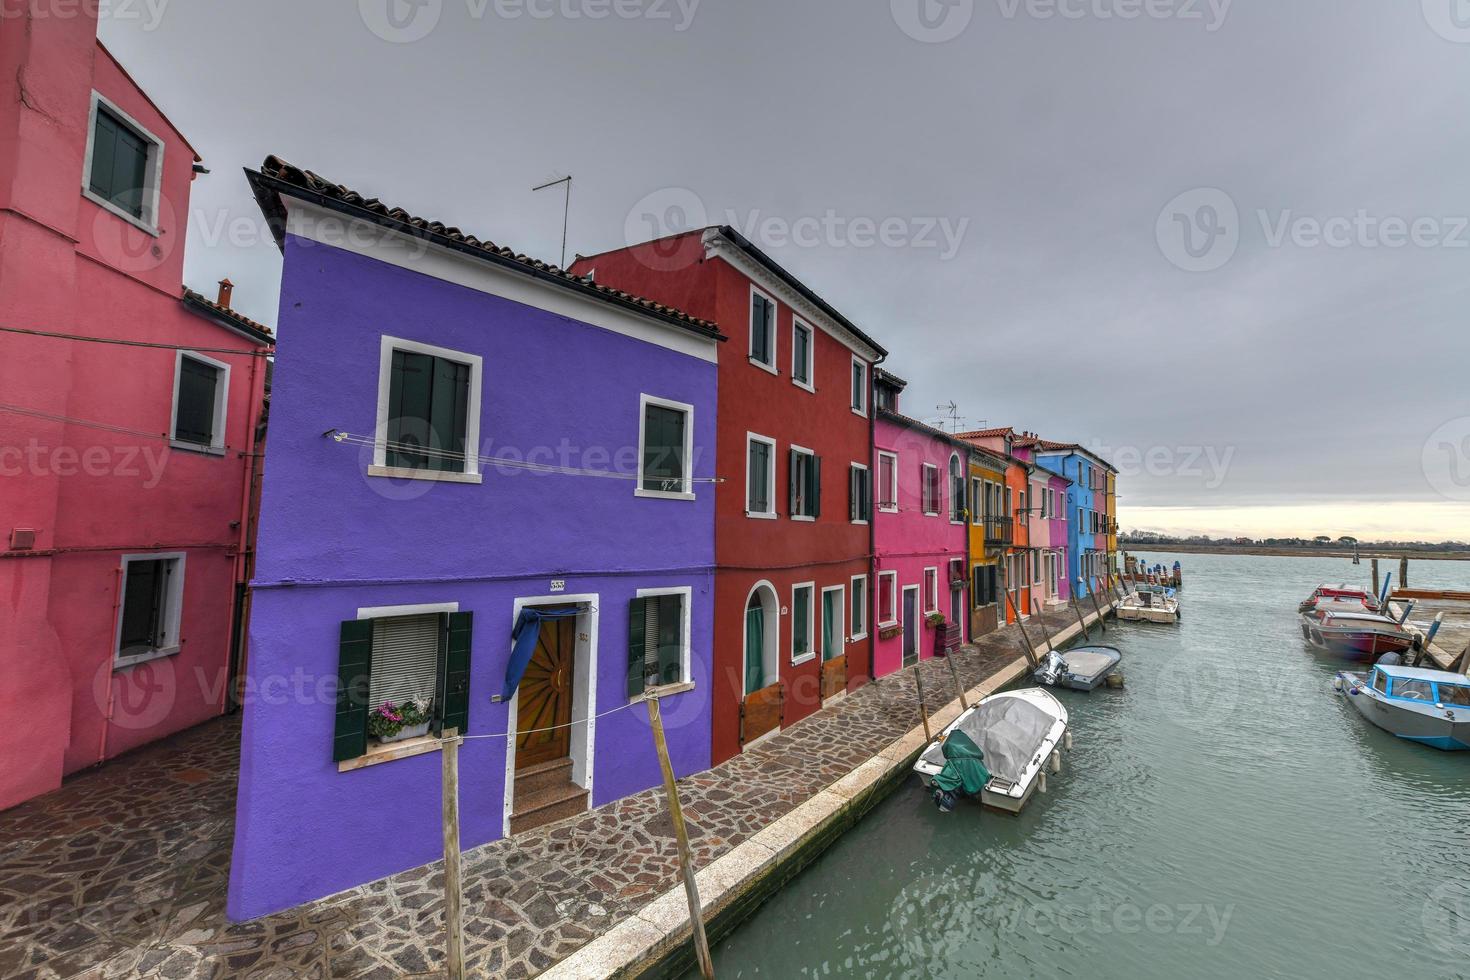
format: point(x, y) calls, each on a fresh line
point(834, 630)
point(658, 639)
point(956, 491)
point(397, 654)
point(1010, 503)
point(929, 487)
point(760, 476)
point(806, 484)
point(887, 598)
point(1380, 683)
point(763, 330)
point(1454, 695)
point(931, 590)
point(428, 412)
point(1412, 689)
point(859, 494)
point(859, 386)
point(201, 398)
point(123, 163)
point(148, 614)
point(985, 587)
point(888, 482)
point(859, 612)
point(666, 449)
point(801, 623)
point(977, 498)
point(801, 354)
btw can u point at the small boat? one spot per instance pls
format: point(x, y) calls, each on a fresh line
point(1344, 628)
point(1013, 736)
point(1080, 669)
point(1427, 706)
point(1339, 593)
point(1150, 603)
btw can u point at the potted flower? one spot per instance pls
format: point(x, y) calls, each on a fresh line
point(934, 620)
point(890, 632)
point(391, 722)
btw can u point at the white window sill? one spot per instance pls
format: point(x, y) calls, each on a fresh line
point(931, 513)
point(107, 205)
point(379, 753)
point(804, 386)
point(760, 515)
point(862, 523)
point(857, 637)
point(803, 518)
point(887, 624)
point(668, 690)
point(194, 447)
point(662, 494)
point(133, 659)
point(768, 368)
point(862, 413)
point(888, 510)
point(433, 476)
point(804, 658)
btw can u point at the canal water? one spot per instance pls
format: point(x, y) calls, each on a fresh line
point(1224, 815)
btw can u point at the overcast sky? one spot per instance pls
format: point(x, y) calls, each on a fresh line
point(1225, 243)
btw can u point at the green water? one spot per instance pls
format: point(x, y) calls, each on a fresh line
point(1225, 815)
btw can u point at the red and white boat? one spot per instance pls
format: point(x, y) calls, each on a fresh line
point(1339, 593)
point(1343, 627)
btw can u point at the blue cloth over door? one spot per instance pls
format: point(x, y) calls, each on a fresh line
point(523, 643)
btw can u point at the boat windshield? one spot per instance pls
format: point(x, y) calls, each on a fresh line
point(1454, 694)
point(1414, 690)
point(1379, 684)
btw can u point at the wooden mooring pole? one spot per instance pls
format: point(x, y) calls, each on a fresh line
point(453, 888)
point(923, 710)
point(1077, 608)
point(1093, 594)
point(681, 835)
point(1375, 576)
point(1031, 657)
point(1040, 619)
point(1403, 573)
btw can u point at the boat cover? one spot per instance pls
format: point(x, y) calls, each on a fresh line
point(1087, 663)
point(1008, 732)
point(964, 766)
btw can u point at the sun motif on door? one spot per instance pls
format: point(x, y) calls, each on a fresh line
point(545, 705)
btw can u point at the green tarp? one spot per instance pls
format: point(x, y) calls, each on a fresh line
point(964, 766)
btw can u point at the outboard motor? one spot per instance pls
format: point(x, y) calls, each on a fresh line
point(1051, 670)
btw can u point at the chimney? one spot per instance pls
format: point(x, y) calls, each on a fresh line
point(226, 289)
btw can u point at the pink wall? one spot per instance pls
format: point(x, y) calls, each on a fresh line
point(94, 494)
point(908, 541)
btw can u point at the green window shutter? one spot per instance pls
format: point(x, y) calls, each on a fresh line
point(194, 414)
point(410, 390)
point(663, 448)
point(815, 491)
point(670, 638)
point(448, 408)
point(452, 705)
point(867, 495)
point(119, 164)
point(637, 641)
point(354, 674)
point(792, 493)
point(854, 496)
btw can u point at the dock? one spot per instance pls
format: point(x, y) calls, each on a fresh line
point(1454, 632)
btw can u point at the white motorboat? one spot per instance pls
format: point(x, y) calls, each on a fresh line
point(1080, 668)
point(1150, 604)
point(1020, 734)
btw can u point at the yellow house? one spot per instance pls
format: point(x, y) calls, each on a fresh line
point(1112, 525)
point(991, 534)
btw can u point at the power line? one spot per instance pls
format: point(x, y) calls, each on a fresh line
point(132, 343)
point(89, 423)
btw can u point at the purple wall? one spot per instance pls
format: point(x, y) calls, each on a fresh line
point(333, 540)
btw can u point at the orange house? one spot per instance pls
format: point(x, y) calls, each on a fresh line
point(1016, 569)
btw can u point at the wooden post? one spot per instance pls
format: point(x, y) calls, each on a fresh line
point(1100, 620)
point(1044, 631)
point(1404, 572)
point(453, 893)
point(1375, 576)
point(923, 711)
point(681, 835)
point(955, 673)
point(1030, 650)
point(1077, 608)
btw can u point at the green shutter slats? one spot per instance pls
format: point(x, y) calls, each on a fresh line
point(428, 412)
point(670, 638)
point(816, 487)
point(354, 675)
point(453, 700)
point(119, 164)
point(792, 492)
point(194, 413)
point(637, 625)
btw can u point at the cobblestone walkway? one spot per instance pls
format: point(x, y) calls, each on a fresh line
point(122, 872)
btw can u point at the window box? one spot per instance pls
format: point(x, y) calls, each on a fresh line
point(933, 620)
point(890, 632)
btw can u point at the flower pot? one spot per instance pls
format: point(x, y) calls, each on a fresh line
point(407, 732)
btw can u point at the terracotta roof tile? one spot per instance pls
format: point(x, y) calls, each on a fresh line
point(259, 331)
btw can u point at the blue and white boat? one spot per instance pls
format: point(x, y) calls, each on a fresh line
point(1421, 705)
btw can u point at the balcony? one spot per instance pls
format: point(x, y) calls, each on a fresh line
point(999, 531)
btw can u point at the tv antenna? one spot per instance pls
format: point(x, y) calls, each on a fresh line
point(566, 209)
point(951, 413)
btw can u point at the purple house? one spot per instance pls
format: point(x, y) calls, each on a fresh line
point(488, 507)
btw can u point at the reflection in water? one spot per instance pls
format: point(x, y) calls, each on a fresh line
point(1224, 815)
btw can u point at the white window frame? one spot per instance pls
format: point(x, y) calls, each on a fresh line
point(216, 445)
point(850, 468)
point(842, 637)
point(859, 584)
point(977, 506)
point(810, 384)
point(645, 400)
point(892, 481)
point(924, 487)
point(686, 674)
point(153, 168)
point(949, 478)
point(471, 472)
point(775, 331)
point(805, 452)
point(772, 514)
point(892, 578)
point(173, 608)
point(811, 618)
point(859, 388)
point(931, 574)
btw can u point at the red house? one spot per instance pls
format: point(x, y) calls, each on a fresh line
point(793, 542)
point(129, 419)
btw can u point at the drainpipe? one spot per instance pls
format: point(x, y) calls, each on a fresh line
point(239, 619)
point(117, 585)
point(872, 600)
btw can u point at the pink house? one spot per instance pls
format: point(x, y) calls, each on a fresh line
point(920, 532)
point(129, 419)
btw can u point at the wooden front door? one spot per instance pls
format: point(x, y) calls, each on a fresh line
point(546, 696)
point(910, 626)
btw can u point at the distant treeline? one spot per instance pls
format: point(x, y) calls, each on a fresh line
point(1323, 542)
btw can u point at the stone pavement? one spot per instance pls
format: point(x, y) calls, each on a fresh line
point(123, 871)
